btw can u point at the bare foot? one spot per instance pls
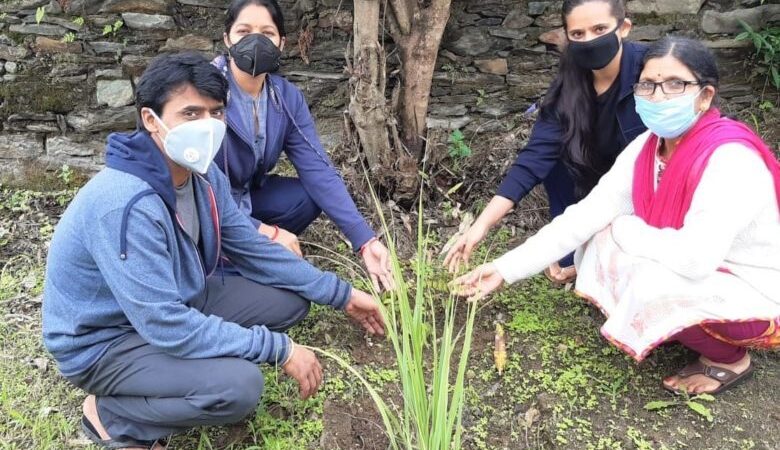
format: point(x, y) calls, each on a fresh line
point(558, 274)
point(90, 412)
point(699, 383)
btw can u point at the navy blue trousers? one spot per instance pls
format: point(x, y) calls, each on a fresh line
point(284, 202)
point(560, 192)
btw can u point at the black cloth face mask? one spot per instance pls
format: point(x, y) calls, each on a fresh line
point(256, 54)
point(596, 53)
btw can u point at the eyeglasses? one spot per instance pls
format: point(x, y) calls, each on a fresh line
point(647, 88)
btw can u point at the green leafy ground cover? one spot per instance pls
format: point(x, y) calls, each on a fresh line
point(563, 387)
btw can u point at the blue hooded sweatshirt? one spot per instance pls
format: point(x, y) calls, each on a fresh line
point(120, 262)
point(289, 127)
point(540, 160)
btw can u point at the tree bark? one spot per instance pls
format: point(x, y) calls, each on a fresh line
point(367, 99)
point(416, 27)
point(418, 50)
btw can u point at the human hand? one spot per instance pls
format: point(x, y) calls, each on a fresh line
point(478, 283)
point(305, 368)
point(283, 237)
point(377, 260)
point(364, 309)
point(460, 252)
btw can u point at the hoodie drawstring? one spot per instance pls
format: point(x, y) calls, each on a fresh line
point(125, 217)
point(297, 127)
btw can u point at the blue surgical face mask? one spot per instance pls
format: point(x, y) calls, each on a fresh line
point(670, 118)
point(193, 144)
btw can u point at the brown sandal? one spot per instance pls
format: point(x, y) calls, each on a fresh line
point(725, 377)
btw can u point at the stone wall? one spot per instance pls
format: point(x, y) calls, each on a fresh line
point(68, 80)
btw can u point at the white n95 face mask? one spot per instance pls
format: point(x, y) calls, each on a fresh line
point(194, 144)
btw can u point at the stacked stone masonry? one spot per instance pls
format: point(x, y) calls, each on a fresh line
point(67, 80)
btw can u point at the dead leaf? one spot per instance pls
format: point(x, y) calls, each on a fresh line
point(29, 281)
point(407, 221)
point(81, 441)
point(466, 220)
point(46, 411)
point(499, 351)
point(41, 364)
point(531, 416)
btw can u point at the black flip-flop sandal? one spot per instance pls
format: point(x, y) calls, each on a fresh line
point(90, 431)
point(725, 377)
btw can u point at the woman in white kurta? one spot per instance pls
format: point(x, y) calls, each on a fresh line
point(680, 240)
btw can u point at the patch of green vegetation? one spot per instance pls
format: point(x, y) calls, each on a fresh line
point(525, 321)
point(458, 149)
point(16, 38)
point(604, 443)
point(69, 37)
point(42, 182)
point(112, 29)
point(34, 403)
point(583, 392)
point(283, 420)
point(694, 403)
point(479, 433)
point(454, 71)
point(767, 44)
point(40, 13)
point(379, 377)
point(18, 276)
point(639, 439)
point(33, 96)
point(480, 97)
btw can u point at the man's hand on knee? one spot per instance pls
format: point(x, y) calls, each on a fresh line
point(304, 366)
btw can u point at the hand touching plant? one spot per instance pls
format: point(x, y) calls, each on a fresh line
point(377, 261)
point(478, 283)
point(364, 309)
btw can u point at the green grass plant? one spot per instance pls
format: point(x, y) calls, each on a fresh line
point(424, 334)
point(766, 41)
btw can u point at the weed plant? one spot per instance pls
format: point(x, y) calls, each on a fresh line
point(767, 44)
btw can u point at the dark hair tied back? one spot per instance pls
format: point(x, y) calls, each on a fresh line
point(692, 53)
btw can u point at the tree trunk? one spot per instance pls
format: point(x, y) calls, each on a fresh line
point(418, 48)
point(417, 27)
point(367, 99)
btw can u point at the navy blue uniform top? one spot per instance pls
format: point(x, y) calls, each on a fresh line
point(540, 160)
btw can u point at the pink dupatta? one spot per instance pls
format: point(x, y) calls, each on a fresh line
point(668, 205)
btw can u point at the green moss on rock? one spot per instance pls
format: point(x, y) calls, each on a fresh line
point(27, 96)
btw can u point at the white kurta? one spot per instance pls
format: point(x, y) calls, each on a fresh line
point(652, 283)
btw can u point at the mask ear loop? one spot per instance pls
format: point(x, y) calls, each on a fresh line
point(154, 114)
point(617, 28)
point(214, 148)
point(228, 56)
point(167, 130)
point(700, 112)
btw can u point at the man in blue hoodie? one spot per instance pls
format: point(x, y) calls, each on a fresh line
point(131, 312)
